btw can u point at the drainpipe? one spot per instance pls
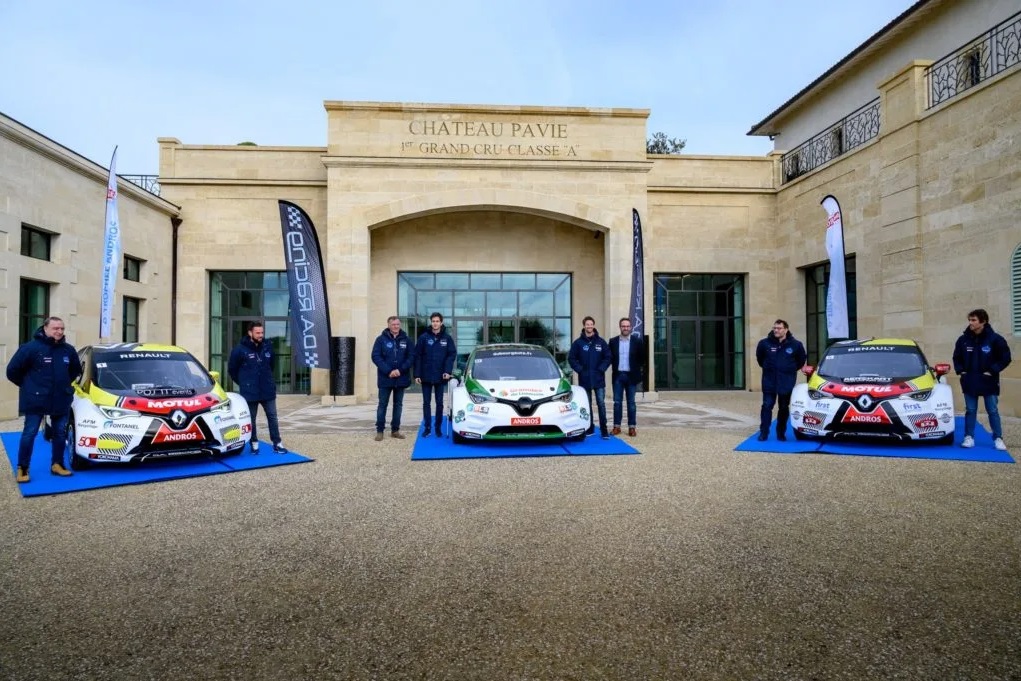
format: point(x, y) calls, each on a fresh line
point(175, 223)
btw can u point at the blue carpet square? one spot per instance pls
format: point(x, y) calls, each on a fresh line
point(98, 476)
point(983, 451)
point(432, 448)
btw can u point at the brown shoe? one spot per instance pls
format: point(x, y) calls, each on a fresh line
point(58, 469)
point(632, 431)
point(397, 435)
point(615, 431)
point(379, 437)
point(22, 475)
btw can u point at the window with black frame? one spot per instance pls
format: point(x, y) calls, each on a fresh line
point(35, 305)
point(816, 286)
point(36, 243)
point(129, 323)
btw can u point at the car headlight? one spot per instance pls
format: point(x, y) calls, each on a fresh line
point(479, 398)
point(117, 412)
point(816, 395)
point(221, 407)
point(920, 395)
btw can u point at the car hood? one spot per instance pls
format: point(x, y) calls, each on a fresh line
point(514, 390)
point(157, 405)
point(876, 390)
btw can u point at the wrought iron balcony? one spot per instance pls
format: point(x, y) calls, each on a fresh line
point(150, 183)
point(976, 61)
point(852, 131)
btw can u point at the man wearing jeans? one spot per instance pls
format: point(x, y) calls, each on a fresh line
point(979, 357)
point(590, 357)
point(628, 355)
point(251, 368)
point(43, 369)
point(393, 354)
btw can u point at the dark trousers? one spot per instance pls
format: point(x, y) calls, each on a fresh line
point(782, 413)
point(600, 395)
point(271, 418)
point(58, 439)
point(428, 390)
point(622, 386)
point(384, 400)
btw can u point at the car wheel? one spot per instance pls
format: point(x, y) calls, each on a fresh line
point(77, 463)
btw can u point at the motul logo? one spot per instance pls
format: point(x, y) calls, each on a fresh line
point(169, 404)
point(852, 389)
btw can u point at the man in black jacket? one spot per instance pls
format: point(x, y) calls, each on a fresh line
point(589, 357)
point(628, 359)
point(434, 363)
point(780, 355)
point(44, 369)
point(393, 353)
point(980, 355)
point(251, 369)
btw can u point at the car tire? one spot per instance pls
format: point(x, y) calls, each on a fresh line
point(76, 462)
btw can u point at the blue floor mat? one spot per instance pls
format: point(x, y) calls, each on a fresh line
point(43, 482)
point(432, 447)
point(982, 451)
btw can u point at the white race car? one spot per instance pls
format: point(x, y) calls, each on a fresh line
point(878, 388)
point(516, 392)
point(136, 402)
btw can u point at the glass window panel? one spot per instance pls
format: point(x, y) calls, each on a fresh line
point(682, 303)
point(485, 281)
point(406, 295)
point(452, 281)
point(537, 303)
point(518, 282)
point(562, 299)
point(469, 303)
point(548, 282)
point(276, 303)
point(419, 280)
point(502, 304)
point(563, 331)
point(435, 301)
point(231, 279)
point(713, 304)
point(538, 332)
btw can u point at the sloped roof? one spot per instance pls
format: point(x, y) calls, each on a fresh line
point(766, 125)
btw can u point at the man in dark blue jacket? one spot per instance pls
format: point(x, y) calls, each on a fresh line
point(980, 355)
point(44, 369)
point(590, 358)
point(434, 362)
point(780, 355)
point(628, 358)
point(251, 369)
point(393, 355)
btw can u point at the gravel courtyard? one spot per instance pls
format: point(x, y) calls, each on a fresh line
point(690, 561)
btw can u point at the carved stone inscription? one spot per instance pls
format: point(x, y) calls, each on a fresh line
point(488, 139)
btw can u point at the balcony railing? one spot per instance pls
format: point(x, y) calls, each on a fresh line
point(852, 131)
point(150, 183)
point(976, 61)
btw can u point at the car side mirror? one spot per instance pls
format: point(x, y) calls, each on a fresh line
point(458, 374)
point(215, 375)
point(942, 370)
point(808, 370)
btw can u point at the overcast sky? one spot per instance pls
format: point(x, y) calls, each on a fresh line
point(92, 75)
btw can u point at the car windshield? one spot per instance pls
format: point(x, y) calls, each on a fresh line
point(872, 363)
point(514, 365)
point(172, 373)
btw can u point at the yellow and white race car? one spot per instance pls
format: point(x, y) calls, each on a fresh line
point(878, 388)
point(141, 401)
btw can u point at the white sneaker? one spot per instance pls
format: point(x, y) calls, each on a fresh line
point(254, 447)
point(998, 443)
point(968, 441)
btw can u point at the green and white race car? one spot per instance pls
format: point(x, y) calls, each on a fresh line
point(516, 392)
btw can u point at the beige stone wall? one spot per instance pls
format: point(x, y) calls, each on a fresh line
point(930, 210)
point(52, 188)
